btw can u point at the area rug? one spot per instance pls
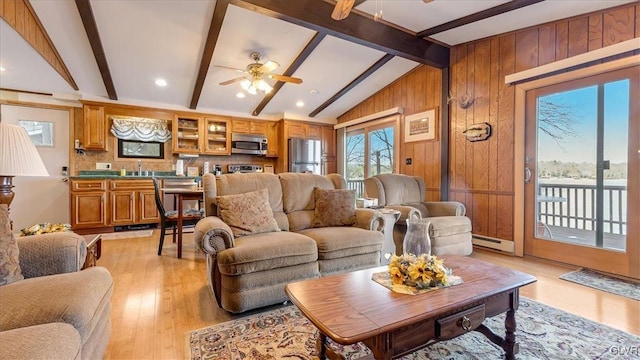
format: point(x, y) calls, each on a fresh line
point(543, 332)
point(603, 282)
point(127, 234)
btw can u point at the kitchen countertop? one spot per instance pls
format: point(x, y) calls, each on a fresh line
point(106, 174)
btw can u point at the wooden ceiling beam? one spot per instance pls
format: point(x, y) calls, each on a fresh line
point(21, 16)
point(302, 56)
point(212, 38)
point(316, 15)
point(373, 68)
point(481, 15)
point(90, 27)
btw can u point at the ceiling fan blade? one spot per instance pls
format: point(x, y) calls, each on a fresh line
point(285, 78)
point(427, 1)
point(232, 80)
point(268, 67)
point(230, 68)
point(342, 9)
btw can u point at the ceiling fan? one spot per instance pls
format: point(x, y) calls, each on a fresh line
point(256, 72)
point(343, 8)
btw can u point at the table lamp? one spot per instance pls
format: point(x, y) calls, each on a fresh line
point(18, 157)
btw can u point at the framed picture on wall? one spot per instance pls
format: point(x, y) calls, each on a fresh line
point(421, 126)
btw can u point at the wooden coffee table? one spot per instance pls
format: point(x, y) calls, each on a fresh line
point(351, 308)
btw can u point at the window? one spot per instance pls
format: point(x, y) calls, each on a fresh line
point(370, 150)
point(140, 149)
point(40, 132)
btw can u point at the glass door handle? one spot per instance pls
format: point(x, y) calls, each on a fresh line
point(527, 175)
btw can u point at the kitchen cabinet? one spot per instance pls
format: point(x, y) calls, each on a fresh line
point(249, 127)
point(132, 202)
point(301, 130)
point(328, 150)
point(186, 134)
point(216, 139)
point(88, 203)
point(273, 139)
point(94, 128)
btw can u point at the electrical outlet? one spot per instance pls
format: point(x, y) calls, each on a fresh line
point(103, 166)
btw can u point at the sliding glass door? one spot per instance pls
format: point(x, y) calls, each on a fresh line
point(582, 160)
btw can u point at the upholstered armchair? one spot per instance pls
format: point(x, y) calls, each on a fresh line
point(51, 309)
point(450, 229)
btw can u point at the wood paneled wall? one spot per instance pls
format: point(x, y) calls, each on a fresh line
point(481, 174)
point(419, 90)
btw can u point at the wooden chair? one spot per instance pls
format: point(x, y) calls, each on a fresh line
point(170, 218)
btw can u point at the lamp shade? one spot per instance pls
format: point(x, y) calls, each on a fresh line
point(18, 155)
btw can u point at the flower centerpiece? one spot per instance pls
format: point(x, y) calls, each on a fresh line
point(419, 271)
point(44, 228)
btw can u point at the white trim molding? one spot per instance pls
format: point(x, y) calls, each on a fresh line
point(378, 115)
point(594, 55)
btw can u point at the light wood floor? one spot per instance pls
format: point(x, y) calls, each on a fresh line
point(158, 299)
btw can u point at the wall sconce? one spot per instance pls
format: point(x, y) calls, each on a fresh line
point(464, 101)
point(478, 132)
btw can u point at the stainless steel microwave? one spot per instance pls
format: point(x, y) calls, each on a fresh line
point(248, 144)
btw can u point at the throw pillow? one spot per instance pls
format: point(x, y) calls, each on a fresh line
point(9, 264)
point(334, 207)
point(248, 213)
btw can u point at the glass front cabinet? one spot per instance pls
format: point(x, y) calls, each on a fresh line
point(216, 139)
point(197, 135)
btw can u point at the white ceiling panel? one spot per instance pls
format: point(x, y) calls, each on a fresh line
point(147, 40)
point(387, 74)
point(24, 68)
point(333, 65)
point(64, 27)
point(539, 13)
point(416, 15)
point(242, 33)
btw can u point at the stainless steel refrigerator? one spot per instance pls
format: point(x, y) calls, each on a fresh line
point(304, 155)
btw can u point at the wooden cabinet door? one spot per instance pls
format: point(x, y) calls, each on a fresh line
point(95, 128)
point(240, 126)
point(186, 135)
point(88, 209)
point(295, 131)
point(273, 139)
point(329, 166)
point(258, 127)
point(328, 141)
point(123, 209)
point(312, 131)
point(147, 210)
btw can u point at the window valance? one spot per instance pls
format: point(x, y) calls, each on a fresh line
point(140, 129)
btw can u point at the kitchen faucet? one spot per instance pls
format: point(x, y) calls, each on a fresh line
point(139, 167)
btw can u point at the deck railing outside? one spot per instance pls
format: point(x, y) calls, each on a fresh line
point(574, 206)
point(357, 185)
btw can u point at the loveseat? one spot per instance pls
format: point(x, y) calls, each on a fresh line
point(310, 228)
point(449, 228)
point(49, 309)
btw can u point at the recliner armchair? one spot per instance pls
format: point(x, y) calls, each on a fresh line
point(450, 229)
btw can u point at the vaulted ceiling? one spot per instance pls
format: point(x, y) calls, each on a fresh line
point(115, 50)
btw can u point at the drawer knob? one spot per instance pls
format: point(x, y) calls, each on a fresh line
point(466, 323)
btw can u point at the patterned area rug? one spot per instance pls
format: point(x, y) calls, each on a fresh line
point(127, 234)
point(603, 282)
point(542, 331)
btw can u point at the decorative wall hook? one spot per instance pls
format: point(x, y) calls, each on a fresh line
point(464, 101)
point(478, 132)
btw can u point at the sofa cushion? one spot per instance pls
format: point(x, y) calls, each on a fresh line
point(74, 298)
point(342, 241)
point(9, 263)
point(247, 213)
point(449, 225)
point(261, 252)
point(334, 207)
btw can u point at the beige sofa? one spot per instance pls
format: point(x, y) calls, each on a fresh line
point(251, 271)
point(56, 311)
point(450, 229)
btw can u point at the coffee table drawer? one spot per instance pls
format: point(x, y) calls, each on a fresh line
point(459, 323)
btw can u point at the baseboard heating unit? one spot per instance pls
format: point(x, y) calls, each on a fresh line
point(493, 243)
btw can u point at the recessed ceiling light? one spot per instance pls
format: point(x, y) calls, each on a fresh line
point(313, 91)
point(161, 82)
point(300, 104)
point(240, 95)
point(2, 68)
